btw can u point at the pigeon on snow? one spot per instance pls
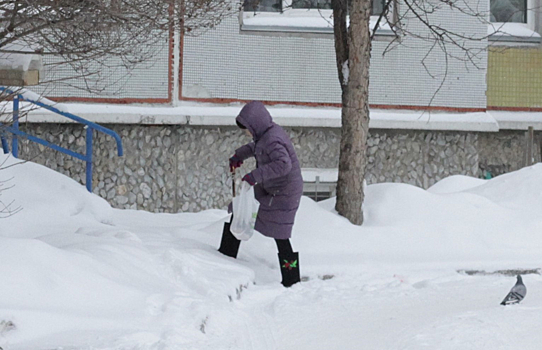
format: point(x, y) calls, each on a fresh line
point(517, 293)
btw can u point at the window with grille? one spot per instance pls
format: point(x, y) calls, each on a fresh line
point(281, 5)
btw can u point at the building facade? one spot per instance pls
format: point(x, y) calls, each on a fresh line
point(179, 163)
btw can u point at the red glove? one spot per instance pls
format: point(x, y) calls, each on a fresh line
point(250, 179)
point(235, 162)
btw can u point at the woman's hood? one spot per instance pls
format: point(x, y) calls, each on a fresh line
point(256, 118)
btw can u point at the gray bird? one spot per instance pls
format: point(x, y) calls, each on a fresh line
point(517, 293)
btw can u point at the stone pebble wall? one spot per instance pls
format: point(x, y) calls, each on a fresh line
point(177, 168)
point(504, 152)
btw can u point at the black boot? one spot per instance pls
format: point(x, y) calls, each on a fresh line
point(289, 268)
point(229, 245)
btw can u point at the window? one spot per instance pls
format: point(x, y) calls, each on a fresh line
point(512, 21)
point(319, 184)
point(280, 5)
point(303, 16)
point(508, 11)
point(319, 191)
point(312, 4)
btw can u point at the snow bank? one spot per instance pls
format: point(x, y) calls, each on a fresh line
point(460, 221)
point(455, 183)
point(71, 266)
point(79, 274)
point(50, 202)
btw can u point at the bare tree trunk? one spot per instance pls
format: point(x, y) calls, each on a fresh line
point(354, 78)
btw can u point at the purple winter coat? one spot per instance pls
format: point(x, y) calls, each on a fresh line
point(279, 184)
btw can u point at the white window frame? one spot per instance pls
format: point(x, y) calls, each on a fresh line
point(514, 32)
point(530, 18)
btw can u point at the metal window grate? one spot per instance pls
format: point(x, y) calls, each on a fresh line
point(318, 190)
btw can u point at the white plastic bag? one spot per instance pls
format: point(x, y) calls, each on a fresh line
point(245, 210)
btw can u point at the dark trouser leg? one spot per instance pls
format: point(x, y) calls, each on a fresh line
point(289, 262)
point(229, 245)
point(284, 246)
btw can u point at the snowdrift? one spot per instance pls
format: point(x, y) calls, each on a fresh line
point(76, 272)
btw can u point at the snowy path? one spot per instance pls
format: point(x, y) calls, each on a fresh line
point(449, 312)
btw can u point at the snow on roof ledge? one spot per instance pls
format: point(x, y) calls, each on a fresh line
point(512, 32)
point(20, 61)
point(30, 96)
point(34, 97)
point(517, 120)
point(293, 116)
point(476, 121)
point(19, 65)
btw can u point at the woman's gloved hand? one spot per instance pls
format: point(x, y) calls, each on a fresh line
point(250, 179)
point(235, 162)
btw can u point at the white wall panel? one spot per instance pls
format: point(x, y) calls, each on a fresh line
point(227, 63)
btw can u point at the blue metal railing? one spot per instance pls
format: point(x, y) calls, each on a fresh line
point(89, 126)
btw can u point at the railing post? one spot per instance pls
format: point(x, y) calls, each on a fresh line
point(89, 126)
point(5, 146)
point(89, 158)
point(15, 139)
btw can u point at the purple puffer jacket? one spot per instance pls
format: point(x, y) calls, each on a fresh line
point(279, 184)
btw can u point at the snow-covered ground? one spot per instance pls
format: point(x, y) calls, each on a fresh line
point(77, 274)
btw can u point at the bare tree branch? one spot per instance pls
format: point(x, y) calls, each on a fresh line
point(101, 32)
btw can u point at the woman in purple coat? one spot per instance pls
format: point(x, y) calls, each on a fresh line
point(277, 182)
